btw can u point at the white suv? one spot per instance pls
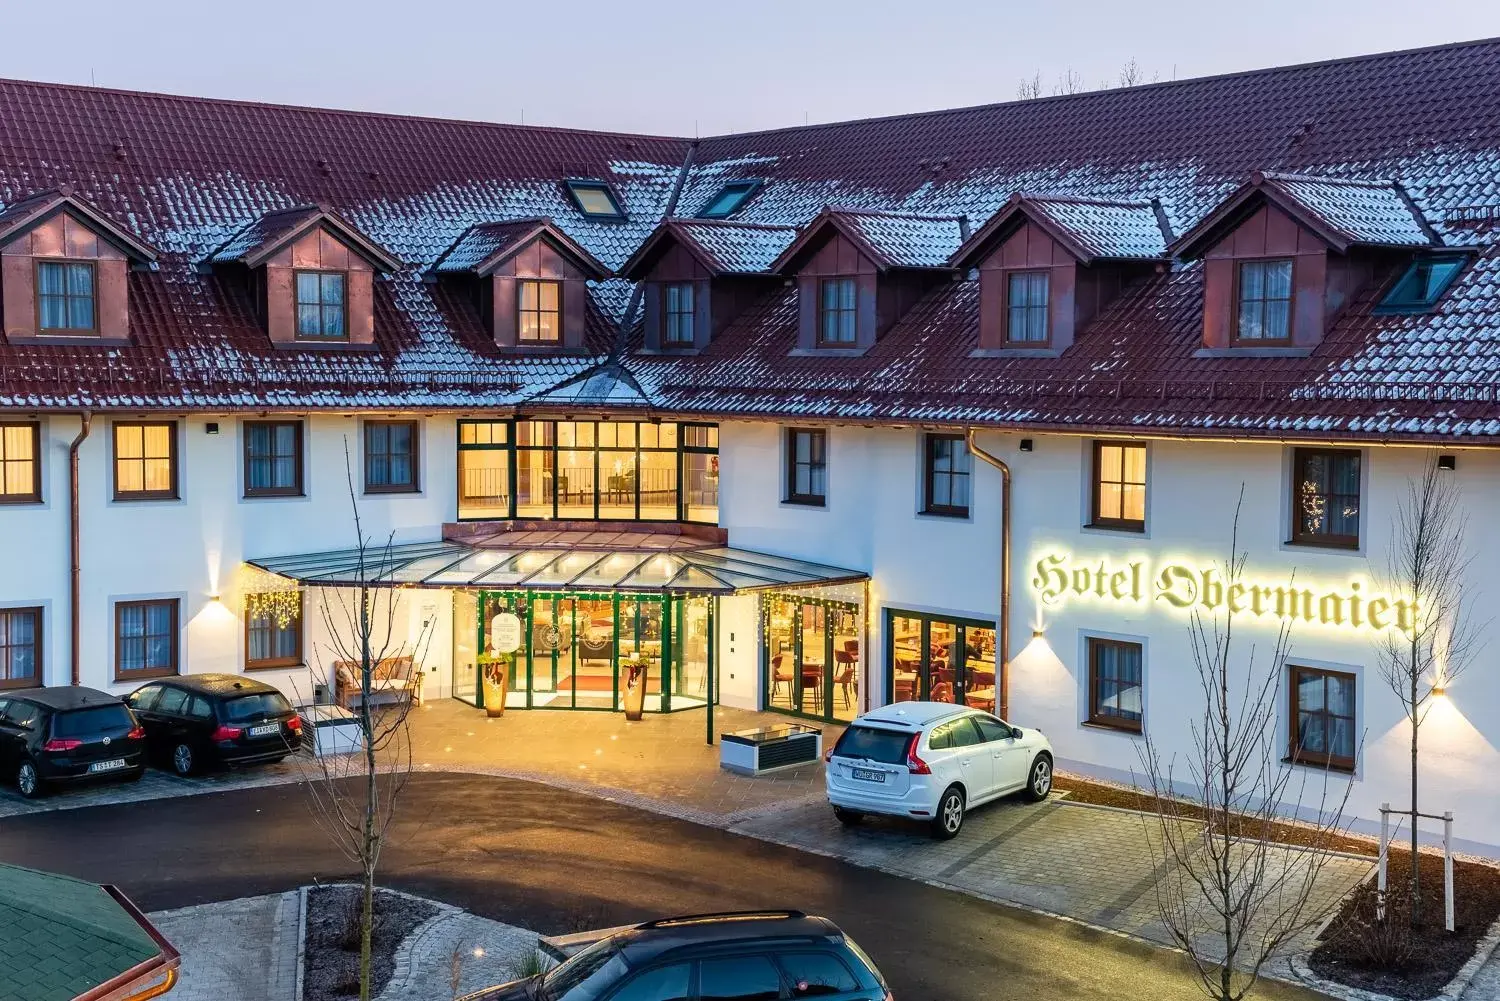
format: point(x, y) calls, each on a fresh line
point(933, 761)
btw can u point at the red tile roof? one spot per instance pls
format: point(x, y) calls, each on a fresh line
point(889, 239)
point(484, 247)
point(261, 239)
point(1091, 229)
point(724, 248)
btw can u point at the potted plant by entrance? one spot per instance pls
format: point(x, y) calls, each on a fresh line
point(635, 668)
point(496, 668)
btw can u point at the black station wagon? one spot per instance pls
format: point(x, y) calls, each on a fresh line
point(749, 956)
point(215, 719)
point(55, 735)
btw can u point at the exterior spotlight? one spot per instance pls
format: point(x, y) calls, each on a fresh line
point(1026, 445)
point(1447, 462)
point(1439, 690)
point(1038, 633)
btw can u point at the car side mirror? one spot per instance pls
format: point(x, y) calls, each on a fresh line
point(1015, 732)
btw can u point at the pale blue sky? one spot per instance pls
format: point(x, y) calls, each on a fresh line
point(675, 66)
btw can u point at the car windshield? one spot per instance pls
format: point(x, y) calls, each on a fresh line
point(887, 746)
point(86, 722)
point(585, 976)
point(250, 706)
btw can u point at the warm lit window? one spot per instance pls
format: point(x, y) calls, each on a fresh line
point(837, 300)
point(145, 639)
point(1115, 684)
point(1322, 718)
point(1325, 497)
point(806, 466)
point(539, 312)
point(273, 459)
point(65, 297)
point(390, 457)
point(321, 305)
point(1119, 486)
point(595, 198)
point(20, 465)
point(145, 460)
point(1026, 307)
point(946, 475)
point(1422, 286)
point(1264, 302)
point(677, 309)
point(730, 199)
point(273, 635)
point(20, 647)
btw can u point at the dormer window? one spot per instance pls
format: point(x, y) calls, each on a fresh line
point(837, 312)
point(595, 199)
point(1422, 286)
point(65, 297)
point(539, 312)
point(677, 312)
point(1026, 294)
point(730, 199)
point(1263, 310)
point(322, 305)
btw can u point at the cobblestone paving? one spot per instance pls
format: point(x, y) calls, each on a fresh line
point(238, 950)
point(155, 784)
point(486, 952)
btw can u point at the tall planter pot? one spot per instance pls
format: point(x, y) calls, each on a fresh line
point(635, 691)
point(496, 685)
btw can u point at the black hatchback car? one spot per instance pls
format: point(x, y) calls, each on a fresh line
point(215, 719)
point(50, 736)
point(748, 956)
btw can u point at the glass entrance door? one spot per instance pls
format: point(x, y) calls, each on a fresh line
point(593, 679)
point(812, 657)
point(941, 659)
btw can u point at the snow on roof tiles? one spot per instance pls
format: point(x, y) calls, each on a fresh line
point(1372, 213)
point(906, 241)
point(1107, 229)
point(737, 248)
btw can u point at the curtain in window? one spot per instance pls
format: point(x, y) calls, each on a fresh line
point(17, 645)
point(1117, 681)
point(270, 641)
point(273, 456)
point(839, 308)
point(1328, 494)
point(145, 640)
point(1265, 301)
point(1325, 714)
point(65, 296)
point(1026, 299)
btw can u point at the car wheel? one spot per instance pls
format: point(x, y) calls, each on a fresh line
point(848, 818)
point(28, 782)
point(183, 761)
point(1039, 782)
point(950, 814)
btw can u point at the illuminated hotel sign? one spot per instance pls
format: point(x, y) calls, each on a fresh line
point(1059, 578)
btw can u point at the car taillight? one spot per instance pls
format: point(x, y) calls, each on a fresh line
point(136, 733)
point(61, 744)
point(227, 733)
point(827, 756)
point(914, 764)
point(294, 724)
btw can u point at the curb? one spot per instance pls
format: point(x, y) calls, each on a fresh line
point(301, 892)
point(402, 971)
point(1453, 990)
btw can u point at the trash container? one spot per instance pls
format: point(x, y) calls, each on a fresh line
point(635, 689)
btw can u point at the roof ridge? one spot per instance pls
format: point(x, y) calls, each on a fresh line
point(1085, 200)
point(727, 223)
point(891, 213)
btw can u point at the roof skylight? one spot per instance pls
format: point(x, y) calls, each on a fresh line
point(729, 200)
point(1423, 285)
point(595, 199)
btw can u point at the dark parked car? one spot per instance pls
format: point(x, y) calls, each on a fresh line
point(215, 719)
point(56, 735)
point(755, 956)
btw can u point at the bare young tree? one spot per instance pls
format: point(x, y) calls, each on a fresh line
point(1428, 565)
point(1030, 87)
point(1229, 897)
point(354, 796)
point(1070, 81)
point(1131, 74)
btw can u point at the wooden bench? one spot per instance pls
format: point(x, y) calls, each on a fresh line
point(394, 680)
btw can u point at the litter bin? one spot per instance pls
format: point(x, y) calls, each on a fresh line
point(635, 689)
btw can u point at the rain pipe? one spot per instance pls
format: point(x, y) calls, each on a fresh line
point(74, 613)
point(1004, 657)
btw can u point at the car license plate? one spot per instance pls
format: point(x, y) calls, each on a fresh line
point(267, 730)
point(868, 774)
point(105, 766)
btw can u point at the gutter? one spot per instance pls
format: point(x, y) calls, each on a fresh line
point(1003, 681)
point(74, 547)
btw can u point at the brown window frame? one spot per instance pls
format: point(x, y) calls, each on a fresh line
point(175, 604)
point(1295, 754)
point(297, 489)
point(1046, 307)
point(1323, 540)
point(35, 681)
point(36, 277)
point(1235, 340)
point(687, 319)
point(816, 435)
point(521, 311)
point(35, 496)
point(930, 474)
point(272, 663)
point(1097, 520)
point(171, 493)
point(1097, 718)
point(824, 310)
point(411, 486)
point(320, 338)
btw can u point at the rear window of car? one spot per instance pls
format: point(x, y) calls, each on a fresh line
point(247, 706)
point(83, 722)
point(886, 746)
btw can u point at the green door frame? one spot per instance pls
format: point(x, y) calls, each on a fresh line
point(924, 672)
point(800, 602)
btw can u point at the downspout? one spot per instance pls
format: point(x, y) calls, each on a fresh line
point(74, 548)
point(1004, 657)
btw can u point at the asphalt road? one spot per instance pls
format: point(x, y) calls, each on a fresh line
point(555, 861)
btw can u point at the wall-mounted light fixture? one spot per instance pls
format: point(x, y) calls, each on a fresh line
point(1447, 462)
point(1038, 633)
point(212, 427)
point(1026, 445)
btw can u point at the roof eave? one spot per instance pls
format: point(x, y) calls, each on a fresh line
point(361, 244)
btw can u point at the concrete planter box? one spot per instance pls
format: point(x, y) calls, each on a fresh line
point(330, 730)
